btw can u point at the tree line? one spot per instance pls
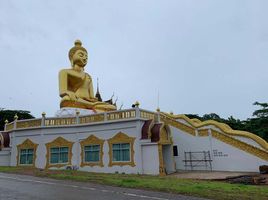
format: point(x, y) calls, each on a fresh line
point(9, 115)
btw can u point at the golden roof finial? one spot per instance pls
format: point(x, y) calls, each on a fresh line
point(137, 104)
point(6, 121)
point(16, 116)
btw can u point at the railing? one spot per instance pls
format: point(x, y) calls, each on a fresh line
point(147, 114)
point(100, 117)
point(91, 118)
point(28, 123)
point(60, 121)
point(9, 126)
point(126, 114)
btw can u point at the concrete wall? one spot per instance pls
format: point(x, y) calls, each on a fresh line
point(168, 158)
point(224, 157)
point(76, 134)
point(5, 154)
point(229, 158)
point(150, 159)
point(185, 143)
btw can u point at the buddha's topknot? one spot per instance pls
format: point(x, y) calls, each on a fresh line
point(77, 46)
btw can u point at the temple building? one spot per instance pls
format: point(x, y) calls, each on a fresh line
point(90, 134)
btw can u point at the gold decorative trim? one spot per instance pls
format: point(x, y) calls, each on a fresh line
point(92, 118)
point(203, 132)
point(223, 127)
point(165, 137)
point(91, 140)
point(1, 141)
point(240, 145)
point(9, 126)
point(121, 115)
point(195, 120)
point(147, 115)
point(60, 121)
point(258, 152)
point(179, 125)
point(59, 142)
point(161, 161)
point(121, 138)
point(27, 144)
point(29, 123)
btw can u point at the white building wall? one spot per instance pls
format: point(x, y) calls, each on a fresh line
point(5, 157)
point(76, 134)
point(168, 158)
point(224, 157)
point(229, 158)
point(249, 141)
point(150, 159)
point(186, 143)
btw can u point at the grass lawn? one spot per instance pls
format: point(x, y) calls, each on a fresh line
point(208, 189)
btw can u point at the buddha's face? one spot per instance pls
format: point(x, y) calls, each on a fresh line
point(80, 58)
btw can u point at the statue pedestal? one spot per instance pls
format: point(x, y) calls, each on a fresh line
point(71, 112)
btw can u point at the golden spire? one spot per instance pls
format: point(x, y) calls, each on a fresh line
point(98, 96)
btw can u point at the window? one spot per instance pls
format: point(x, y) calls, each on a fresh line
point(26, 156)
point(59, 155)
point(175, 150)
point(92, 153)
point(26, 153)
point(121, 152)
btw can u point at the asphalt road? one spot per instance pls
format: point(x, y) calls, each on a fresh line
point(21, 187)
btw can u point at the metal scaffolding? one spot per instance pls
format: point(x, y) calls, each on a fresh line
point(194, 159)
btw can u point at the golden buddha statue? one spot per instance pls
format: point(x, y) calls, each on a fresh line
point(76, 86)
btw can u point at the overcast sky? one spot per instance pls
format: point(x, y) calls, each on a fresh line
point(202, 56)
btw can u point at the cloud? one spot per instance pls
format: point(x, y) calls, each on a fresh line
point(208, 56)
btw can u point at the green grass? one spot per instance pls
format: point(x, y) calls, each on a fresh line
point(208, 189)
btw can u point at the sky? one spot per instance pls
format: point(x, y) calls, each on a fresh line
point(200, 56)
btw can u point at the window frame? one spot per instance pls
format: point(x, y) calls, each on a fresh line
point(59, 154)
point(59, 142)
point(26, 144)
point(91, 140)
point(92, 151)
point(27, 155)
point(120, 151)
point(121, 138)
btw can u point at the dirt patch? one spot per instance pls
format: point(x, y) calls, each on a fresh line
point(208, 175)
point(248, 178)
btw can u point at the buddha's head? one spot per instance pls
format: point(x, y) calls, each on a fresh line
point(78, 54)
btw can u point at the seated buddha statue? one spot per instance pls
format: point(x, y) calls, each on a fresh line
point(76, 86)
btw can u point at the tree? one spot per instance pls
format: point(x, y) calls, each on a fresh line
point(192, 116)
point(212, 116)
point(263, 112)
point(9, 115)
point(259, 124)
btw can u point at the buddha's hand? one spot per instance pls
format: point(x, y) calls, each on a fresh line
point(71, 95)
point(93, 99)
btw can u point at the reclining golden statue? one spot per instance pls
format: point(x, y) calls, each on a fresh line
point(76, 86)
